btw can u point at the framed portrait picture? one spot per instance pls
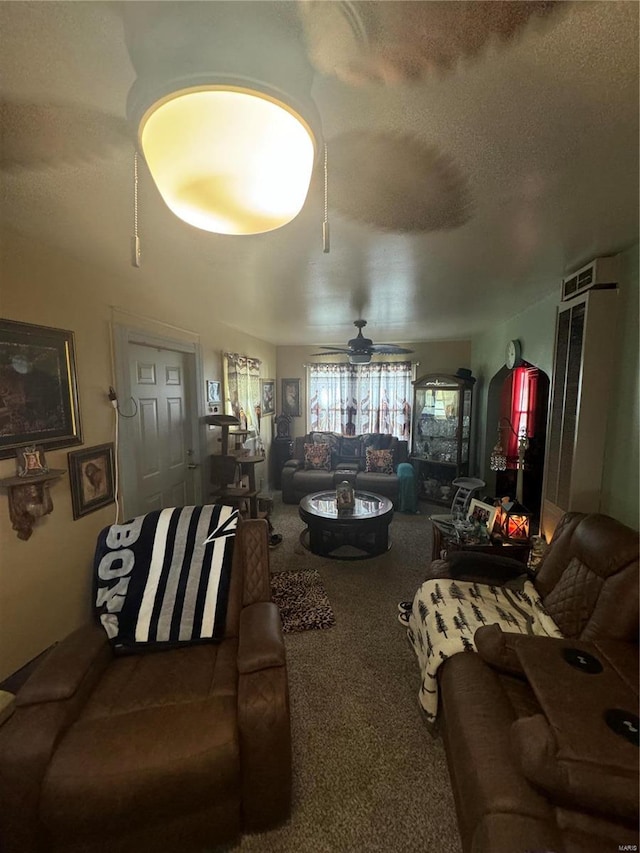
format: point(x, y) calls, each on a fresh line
point(30, 461)
point(483, 513)
point(91, 472)
point(214, 391)
point(291, 398)
point(268, 395)
point(38, 388)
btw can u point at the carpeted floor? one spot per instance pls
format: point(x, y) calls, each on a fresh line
point(368, 777)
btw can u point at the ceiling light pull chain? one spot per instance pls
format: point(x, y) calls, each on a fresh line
point(326, 244)
point(135, 243)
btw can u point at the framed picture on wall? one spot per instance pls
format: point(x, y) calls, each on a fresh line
point(91, 472)
point(291, 398)
point(214, 393)
point(38, 388)
point(268, 394)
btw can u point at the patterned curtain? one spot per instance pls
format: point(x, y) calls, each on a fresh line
point(242, 388)
point(384, 394)
point(331, 397)
point(354, 399)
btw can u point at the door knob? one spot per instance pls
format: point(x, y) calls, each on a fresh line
point(192, 465)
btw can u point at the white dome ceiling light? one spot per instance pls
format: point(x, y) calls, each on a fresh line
point(223, 113)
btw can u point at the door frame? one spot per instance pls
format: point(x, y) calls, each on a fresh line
point(123, 336)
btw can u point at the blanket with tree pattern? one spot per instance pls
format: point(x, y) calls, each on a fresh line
point(446, 614)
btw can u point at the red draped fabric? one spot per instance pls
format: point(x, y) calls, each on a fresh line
point(518, 405)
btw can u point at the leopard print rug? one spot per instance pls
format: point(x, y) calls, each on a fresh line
point(302, 600)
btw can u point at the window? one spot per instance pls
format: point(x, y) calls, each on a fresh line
point(355, 399)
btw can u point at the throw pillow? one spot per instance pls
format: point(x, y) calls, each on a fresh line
point(317, 457)
point(379, 461)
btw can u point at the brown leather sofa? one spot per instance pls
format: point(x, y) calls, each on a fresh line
point(533, 764)
point(348, 462)
point(176, 750)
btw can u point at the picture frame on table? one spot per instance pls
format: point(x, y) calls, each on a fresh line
point(268, 396)
point(38, 388)
point(91, 473)
point(482, 513)
point(290, 405)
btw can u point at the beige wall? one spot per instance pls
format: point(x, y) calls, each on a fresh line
point(434, 357)
point(45, 582)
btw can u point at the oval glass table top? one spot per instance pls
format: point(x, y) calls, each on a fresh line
point(367, 505)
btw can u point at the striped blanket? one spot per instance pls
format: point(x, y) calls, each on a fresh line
point(446, 614)
point(162, 579)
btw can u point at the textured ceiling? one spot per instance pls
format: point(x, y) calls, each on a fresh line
point(522, 160)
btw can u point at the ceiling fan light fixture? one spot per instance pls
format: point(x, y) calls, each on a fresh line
point(229, 159)
point(359, 358)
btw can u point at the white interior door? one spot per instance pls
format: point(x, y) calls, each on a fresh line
point(162, 433)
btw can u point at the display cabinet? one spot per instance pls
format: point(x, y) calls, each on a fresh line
point(441, 431)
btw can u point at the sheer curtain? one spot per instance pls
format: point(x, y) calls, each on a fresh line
point(331, 397)
point(242, 388)
point(355, 399)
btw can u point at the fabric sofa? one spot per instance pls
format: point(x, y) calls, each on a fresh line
point(174, 750)
point(347, 458)
point(533, 764)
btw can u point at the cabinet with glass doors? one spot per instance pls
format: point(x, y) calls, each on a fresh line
point(440, 434)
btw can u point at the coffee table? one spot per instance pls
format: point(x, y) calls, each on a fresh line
point(365, 527)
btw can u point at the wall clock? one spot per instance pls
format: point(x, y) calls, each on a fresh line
point(513, 354)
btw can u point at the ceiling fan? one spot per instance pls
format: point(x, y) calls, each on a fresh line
point(360, 349)
point(394, 181)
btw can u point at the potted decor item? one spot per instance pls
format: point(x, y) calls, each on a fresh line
point(345, 497)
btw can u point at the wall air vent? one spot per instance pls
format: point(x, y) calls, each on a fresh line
point(601, 272)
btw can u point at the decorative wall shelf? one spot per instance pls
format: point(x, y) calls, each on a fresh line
point(29, 499)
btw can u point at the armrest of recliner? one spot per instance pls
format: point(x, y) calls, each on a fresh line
point(263, 718)
point(46, 706)
point(254, 542)
point(82, 655)
point(292, 465)
point(498, 648)
point(261, 644)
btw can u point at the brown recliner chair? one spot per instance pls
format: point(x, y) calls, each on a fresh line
point(179, 750)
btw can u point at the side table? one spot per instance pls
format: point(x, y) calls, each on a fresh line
point(445, 539)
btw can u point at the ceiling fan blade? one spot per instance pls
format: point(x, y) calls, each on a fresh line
point(396, 182)
point(39, 136)
point(333, 350)
point(390, 43)
point(389, 349)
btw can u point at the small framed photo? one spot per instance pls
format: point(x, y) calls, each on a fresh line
point(291, 398)
point(214, 392)
point(268, 394)
point(91, 472)
point(30, 461)
point(482, 513)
